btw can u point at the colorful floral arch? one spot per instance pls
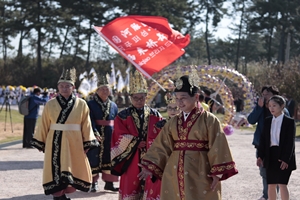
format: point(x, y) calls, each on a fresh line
point(209, 77)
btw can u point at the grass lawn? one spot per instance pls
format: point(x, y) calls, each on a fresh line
point(15, 116)
point(8, 133)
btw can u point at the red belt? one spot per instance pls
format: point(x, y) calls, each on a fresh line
point(192, 145)
point(105, 122)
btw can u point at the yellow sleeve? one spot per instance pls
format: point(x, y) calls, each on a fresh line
point(158, 154)
point(89, 139)
point(40, 136)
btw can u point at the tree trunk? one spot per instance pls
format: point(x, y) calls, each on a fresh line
point(281, 46)
point(39, 57)
point(64, 43)
point(239, 39)
point(89, 49)
point(287, 49)
point(4, 45)
point(270, 45)
point(4, 49)
point(77, 40)
point(20, 48)
point(50, 46)
point(206, 38)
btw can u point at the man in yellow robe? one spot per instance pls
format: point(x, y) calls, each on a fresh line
point(65, 134)
point(191, 154)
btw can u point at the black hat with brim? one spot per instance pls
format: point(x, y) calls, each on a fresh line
point(182, 85)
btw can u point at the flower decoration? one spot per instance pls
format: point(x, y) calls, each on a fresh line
point(228, 129)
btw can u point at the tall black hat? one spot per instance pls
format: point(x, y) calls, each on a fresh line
point(187, 84)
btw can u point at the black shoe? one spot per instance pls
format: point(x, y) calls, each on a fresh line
point(110, 186)
point(27, 146)
point(63, 197)
point(94, 187)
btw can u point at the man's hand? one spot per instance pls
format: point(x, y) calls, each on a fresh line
point(142, 144)
point(261, 101)
point(99, 138)
point(215, 182)
point(259, 162)
point(144, 173)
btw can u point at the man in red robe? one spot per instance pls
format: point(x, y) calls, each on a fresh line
point(133, 134)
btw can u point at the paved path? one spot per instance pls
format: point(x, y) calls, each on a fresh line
point(21, 174)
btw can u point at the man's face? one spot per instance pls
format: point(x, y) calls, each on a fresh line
point(172, 109)
point(185, 102)
point(138, 100)
point(103, 92)
point(267, 95)
point(65, 89)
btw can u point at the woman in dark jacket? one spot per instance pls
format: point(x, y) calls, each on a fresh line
point(276, 150)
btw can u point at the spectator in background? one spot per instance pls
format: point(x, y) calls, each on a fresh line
point(258, 115)
point(158, 100)
point(208, 100)
point(30, 120)
point(290, 105)
point(119, 100)
point(202, 101)
point(127, 100)
point(239, 104)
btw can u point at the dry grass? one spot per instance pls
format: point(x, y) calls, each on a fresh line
point(12, 129)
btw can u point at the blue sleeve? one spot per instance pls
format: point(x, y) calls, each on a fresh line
point(92, 116)
point(286, 112)
point(254, 116)
point(40, 100)
point(115, 110)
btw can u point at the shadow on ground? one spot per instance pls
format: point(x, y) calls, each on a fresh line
point(30, 197)
point(79, 194)
point(20, 165)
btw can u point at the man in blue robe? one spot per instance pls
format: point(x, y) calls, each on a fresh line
point(102, 112)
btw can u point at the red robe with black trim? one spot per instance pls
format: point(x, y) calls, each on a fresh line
point(185, 152)
point(130, 128)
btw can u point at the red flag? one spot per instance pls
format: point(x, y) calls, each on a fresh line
point(148, 42)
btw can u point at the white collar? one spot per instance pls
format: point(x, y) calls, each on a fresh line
point(185, 115)
point(279, 118)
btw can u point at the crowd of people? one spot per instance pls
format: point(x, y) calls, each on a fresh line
point(138, 153)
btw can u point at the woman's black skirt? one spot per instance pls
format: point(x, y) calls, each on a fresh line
point(275, 175)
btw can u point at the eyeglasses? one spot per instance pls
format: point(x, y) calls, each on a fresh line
point(138, 99)
point(172, 108)
point(65, 86)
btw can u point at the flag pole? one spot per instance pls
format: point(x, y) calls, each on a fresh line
point(125, 55)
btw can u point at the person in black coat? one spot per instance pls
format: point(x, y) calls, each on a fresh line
point(276, 150)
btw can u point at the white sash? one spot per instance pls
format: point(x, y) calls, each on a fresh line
point(65, 127)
